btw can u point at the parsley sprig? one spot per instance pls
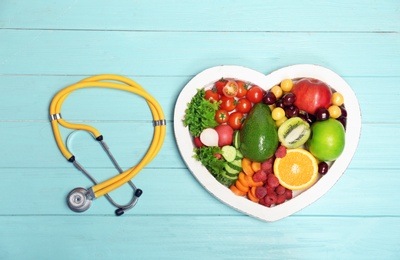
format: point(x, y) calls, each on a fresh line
point(200, 113)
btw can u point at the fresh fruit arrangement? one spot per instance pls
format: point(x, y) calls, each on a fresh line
point(265, 144)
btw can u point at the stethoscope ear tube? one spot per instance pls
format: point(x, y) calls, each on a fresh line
point(80, 199)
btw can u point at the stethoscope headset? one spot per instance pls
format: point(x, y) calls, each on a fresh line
point(80, 199)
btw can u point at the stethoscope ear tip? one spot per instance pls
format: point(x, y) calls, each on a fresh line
point(119, 212)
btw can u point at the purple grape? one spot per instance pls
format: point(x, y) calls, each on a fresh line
point(311, 118)
point(342, 120)
point(289, 99)
point(291, 111)
point(322, 114)
point(323, 168)
point(279, 103)
point(269, 98)
point(343, 111)
point(303, 116)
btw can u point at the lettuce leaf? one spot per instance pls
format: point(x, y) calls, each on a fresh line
point(200, 114)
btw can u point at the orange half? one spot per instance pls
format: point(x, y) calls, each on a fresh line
point(297, 170)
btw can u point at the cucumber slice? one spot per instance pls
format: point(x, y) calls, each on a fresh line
point(234, 168)
point(231, 171)
point(230, 176)
point(236, 164)
point(239, 155)
point(229, 153)
point(236, 139)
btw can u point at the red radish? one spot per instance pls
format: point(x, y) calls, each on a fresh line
point(209, 137)
point(225, 134)
point(197, 142)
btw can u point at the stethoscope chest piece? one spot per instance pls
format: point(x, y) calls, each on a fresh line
point(78, 201)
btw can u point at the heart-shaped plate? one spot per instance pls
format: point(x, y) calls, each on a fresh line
point(300, 200)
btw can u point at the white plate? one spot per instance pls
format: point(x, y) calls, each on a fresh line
point(299, 201)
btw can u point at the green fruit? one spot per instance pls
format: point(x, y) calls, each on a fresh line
point(294, 132)
point(327, 140)
point(258, 135)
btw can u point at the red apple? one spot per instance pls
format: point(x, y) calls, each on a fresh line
point(311, 94)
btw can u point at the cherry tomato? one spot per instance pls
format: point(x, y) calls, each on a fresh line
point(219, 85)
point(255, 94)
point(227, 103)
point(221, 116)
point(211, 95)
point(230, 89)
point(236, 120)
point(242, 89)
point(243, 105)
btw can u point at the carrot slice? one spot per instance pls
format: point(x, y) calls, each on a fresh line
point(252, 198)
point(246, 166)
point(253, 191)
point(237, 191)
point(242, 179)
point(256, 166)
point(241, 187)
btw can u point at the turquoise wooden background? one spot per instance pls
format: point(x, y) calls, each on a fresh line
point(47, 45)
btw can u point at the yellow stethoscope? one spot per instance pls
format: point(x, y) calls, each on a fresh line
point(80, 199)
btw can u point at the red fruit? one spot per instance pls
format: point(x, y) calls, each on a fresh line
point(270, 190)
point(288, 194)
point(311, 94)
point(272, 181)
point(267, 165)
point(197, 142)
point(280, 199)
point(264, 202)
point(225, 135)
point(261, 192)
point(270, 199)
point(280, 152)
point(280, 190)
point(260, 176)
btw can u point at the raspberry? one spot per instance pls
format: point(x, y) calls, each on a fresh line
point(261, 192)
point(269, 189)
point(280, 199)
point(280, 152)
point(267, 165)
point(264, 203)
point(288, 194)
point(272, 181)
point(260, 176)
point(280, 190)
point(270, 199)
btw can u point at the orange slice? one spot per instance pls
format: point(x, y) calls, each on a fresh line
point(297, 170)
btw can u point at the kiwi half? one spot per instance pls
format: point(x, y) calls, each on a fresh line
point(294, 132)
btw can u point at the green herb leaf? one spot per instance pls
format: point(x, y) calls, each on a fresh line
point(206, 155)
point(200, 113)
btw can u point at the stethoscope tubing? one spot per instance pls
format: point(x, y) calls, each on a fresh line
point(98, 81)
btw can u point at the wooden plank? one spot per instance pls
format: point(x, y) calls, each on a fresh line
point(153, 53)
point(169, 191)
point(206, 15)
point(36, 92)
point(217, 237)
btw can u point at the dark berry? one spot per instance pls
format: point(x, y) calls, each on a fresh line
point(288, 99)
point(322, 114)
point(269, 98)
point(323, 168)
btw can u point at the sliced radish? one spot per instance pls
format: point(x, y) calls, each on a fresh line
point(209, 137)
